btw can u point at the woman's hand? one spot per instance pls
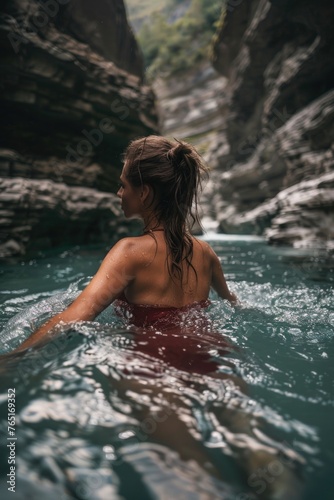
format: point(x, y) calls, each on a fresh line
point(234, 299)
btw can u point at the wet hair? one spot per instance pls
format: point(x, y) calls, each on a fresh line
point(174, 171)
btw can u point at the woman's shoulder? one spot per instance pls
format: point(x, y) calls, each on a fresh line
point(204, 246)
point(129, 243)
point(204, 250)
point(136, 248)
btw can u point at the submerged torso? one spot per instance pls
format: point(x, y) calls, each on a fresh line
point(181, 336)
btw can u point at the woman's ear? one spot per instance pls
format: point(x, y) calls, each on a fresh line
point(146, 194)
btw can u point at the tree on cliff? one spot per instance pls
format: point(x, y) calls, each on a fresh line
point(171, 45)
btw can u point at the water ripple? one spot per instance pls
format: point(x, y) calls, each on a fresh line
point(99, 418)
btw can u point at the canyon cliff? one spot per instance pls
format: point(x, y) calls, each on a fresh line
point(274, 156)
point(72, 97)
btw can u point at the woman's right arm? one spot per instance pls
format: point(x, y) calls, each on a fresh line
point(218, 282)
point(115, 273)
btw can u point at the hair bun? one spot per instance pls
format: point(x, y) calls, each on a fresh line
point(178, 152)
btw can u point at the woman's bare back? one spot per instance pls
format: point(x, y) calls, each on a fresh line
point(153, 284)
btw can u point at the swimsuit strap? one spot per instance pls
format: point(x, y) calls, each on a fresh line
point(152, 230)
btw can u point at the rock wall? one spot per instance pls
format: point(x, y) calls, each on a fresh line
point(192, 107)
point(72, 96)
point(275, 157)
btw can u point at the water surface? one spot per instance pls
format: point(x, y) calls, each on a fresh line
point(97, 419)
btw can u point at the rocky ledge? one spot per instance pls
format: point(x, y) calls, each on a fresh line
point(72, 97)
point(76, 214)
point(275, 157)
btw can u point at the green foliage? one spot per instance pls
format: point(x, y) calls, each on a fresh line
point(141, 10)
point(219, 26)
point(172, 47)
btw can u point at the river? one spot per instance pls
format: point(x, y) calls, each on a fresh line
point(97, 419)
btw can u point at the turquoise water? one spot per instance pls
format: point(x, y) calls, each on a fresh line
point(96, 419)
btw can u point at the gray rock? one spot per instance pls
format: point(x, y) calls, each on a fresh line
point(279, 122)
point(191, 106)
point(36, 214)
point(72, 97)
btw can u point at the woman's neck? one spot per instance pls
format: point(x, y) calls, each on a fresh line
point(152, 224)
point(148, 231)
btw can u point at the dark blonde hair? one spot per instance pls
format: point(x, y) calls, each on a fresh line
point(173, 169)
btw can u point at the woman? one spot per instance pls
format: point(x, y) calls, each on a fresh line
point(165, 268)
point(158, 280)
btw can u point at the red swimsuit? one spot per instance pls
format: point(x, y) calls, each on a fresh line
point(181, 336)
